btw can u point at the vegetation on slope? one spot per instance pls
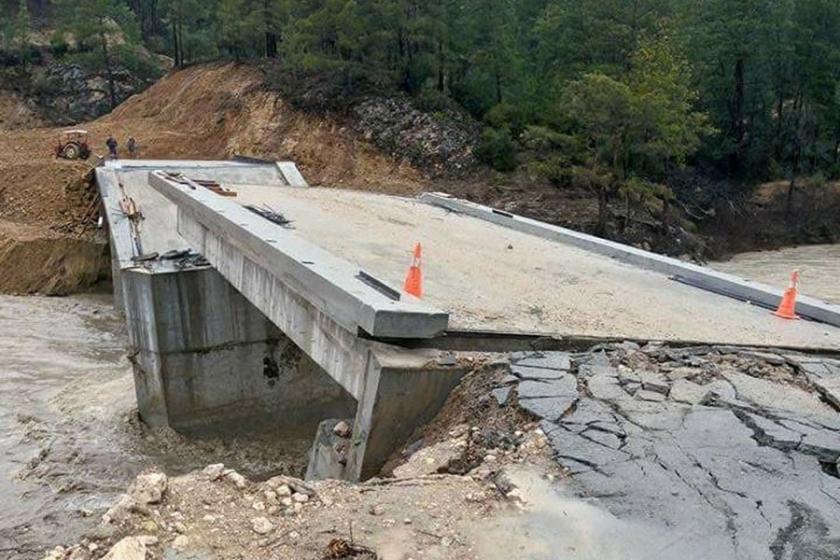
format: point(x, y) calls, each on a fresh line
point(657, 109)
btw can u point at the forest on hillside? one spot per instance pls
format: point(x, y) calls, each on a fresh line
point(633, 99)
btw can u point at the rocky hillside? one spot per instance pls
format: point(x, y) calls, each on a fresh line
point(59, 94)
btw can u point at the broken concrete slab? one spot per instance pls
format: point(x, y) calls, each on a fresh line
point(605, 387)
point(830, 389)
point(565, 386)
point(685, 391)
point(527, 372)
point(603, 437)
point(626, 375)
point(651, 396)
point(589, 412)
point(501, 395)
point(550, 408)
point(569, 445)
point(654, 382)
point(769, 357)
point(730, 473)
point(546, 360)
point(767, 394)
point(683, 372)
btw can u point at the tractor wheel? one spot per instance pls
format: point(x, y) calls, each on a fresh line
point(71, 151)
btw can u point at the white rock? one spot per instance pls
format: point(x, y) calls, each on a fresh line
point(130, 548)
point(181, 542)
point(283, 490)
point(121, 511)
point(343, 429)
point(286, 501)
point(58, 553)
point(259, 506)
point(516, 495)
point(237, 479)
point(261, 525)
point(214, 472)
point(149, 488)
point(270, 496)
point(300, 498)
point(430, 460)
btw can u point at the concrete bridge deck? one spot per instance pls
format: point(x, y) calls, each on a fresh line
point(305, 323)
point(494, 279)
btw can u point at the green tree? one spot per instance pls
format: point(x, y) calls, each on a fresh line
point(106, 27)
point(22, 26)
point(238, 26)
point(631, 131)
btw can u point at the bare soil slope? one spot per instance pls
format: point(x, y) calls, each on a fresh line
point(204, 112)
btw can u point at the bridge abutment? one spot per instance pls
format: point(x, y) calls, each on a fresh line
point(204, 356)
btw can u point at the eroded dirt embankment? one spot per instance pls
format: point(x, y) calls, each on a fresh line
point(212, 111)
point(34, 261)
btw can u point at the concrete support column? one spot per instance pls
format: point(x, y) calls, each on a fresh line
point(203, 355)
point(403, 390)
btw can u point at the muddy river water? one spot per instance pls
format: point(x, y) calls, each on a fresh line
point(70, 440)
point(819, 266)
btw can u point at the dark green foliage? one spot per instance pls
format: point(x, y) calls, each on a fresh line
point(752, 90)
point(497, 149)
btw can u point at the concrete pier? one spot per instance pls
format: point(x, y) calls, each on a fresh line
point(213, 346)
point(203, 356)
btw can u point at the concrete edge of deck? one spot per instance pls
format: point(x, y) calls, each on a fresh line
point(330, 282)
point(698, 276)
point(287, 171)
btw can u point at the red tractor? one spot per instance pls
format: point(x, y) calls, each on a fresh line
point(73, 144)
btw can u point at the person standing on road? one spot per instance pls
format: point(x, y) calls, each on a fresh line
point(132, 147)
point(111, 142)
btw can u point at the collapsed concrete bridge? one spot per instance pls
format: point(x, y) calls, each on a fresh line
point(233, 315)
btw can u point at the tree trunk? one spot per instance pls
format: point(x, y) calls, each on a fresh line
point(108, 69)
point(736, 112)
point(498, 77)
point(789, 199)
point(666, 215)
point(792, 187)
point(626, 220)
point(602, 211)
point(175, 46)
point(780, 111)
point(441, 62)
point(181, 56)
point(270, 35)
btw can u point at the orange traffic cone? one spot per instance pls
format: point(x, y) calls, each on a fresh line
point(414, 278)
point(787, 307)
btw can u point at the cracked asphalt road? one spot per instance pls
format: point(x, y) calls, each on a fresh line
point(732, 452)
